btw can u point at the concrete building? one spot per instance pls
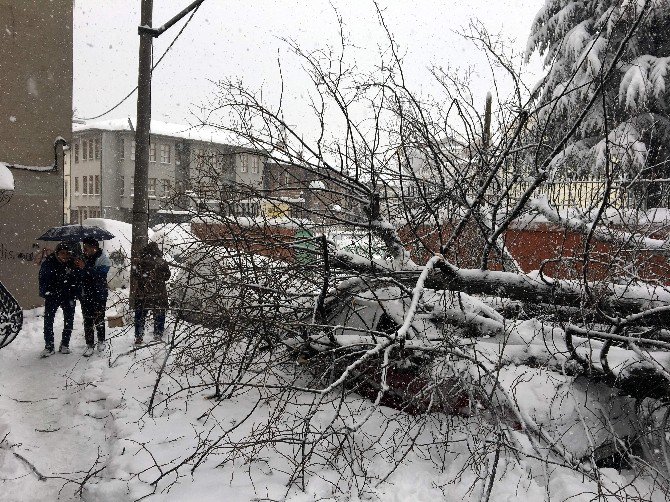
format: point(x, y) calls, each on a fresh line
point(188, 167)
point(36, 115)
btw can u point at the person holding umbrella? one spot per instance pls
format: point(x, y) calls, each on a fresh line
point(94, 266)
point(59, 284)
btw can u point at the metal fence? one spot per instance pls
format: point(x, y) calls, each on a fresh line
point(638, 194)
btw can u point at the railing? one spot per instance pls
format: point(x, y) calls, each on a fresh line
point(11, 317)
point(585, 194)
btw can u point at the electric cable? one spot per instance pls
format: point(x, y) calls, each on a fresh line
point(152, 69)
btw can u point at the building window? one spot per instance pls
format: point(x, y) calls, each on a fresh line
point(203, 158)
point(76, 152)
point(152, 152)
point(90, 149)
point(165, 154)
point(287, 178)
point(132, 150)
point(90, 185)
point(152, 187)
point(122, 149)
point(84, 185)
point(84, 149)
point(97, 148)
point(132, 186)
point(76, 184)
point(167, 187)
point(83, 214)
point(97, 185)
point(123, 185)
point(244, 161)
point(254, 165)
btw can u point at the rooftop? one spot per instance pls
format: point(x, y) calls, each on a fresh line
point(195, 133)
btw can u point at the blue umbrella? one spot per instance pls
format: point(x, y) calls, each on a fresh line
point(75, 233)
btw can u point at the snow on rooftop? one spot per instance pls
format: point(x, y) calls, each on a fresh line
point(6, 178)
point(195, 133)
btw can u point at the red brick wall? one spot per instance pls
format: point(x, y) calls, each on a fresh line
point(265, 240)
point(561, 250)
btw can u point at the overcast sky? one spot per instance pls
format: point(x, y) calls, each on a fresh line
point(242, 39)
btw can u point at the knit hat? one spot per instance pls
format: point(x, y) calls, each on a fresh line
point(63, 246)
point(91, 242)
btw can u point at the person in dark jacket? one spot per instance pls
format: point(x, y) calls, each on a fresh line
point(94, 266)
point(150, 292)
point(59, 283)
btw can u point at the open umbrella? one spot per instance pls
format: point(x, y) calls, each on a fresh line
point(75, 233)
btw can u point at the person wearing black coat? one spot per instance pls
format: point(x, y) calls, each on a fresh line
point(60, 285)
point(150, 291)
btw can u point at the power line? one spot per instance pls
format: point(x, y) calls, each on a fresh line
point(152, 69)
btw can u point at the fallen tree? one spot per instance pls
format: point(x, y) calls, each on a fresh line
point(342, 307)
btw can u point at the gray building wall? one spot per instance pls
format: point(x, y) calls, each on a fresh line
point(116, 169)
point(36, 108)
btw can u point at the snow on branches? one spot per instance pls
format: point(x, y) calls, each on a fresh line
point(615, 48)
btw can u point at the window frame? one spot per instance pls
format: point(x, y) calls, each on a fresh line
point(165, 153)
point(152, 152)
point(151, 187)
point(166, 186)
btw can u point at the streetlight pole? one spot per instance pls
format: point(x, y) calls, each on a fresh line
point(143, 129)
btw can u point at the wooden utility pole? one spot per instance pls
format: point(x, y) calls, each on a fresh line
point(486, 136)
point(142, 138)
point(143, 129)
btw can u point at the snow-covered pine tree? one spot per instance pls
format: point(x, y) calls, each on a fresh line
point(580, 41)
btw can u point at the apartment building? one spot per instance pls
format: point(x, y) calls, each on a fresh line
point(189, 169)
point(305, 192)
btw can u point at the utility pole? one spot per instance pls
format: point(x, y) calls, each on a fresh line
point(143, 129)
point(486, 136)
point(142, 138)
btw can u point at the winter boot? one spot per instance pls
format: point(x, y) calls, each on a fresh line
point(139, 341)
point(64, 349)
point(89, 351)
point(48, 351)
point(101, 346)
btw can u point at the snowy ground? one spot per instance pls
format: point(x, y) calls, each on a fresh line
point(68, 418)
